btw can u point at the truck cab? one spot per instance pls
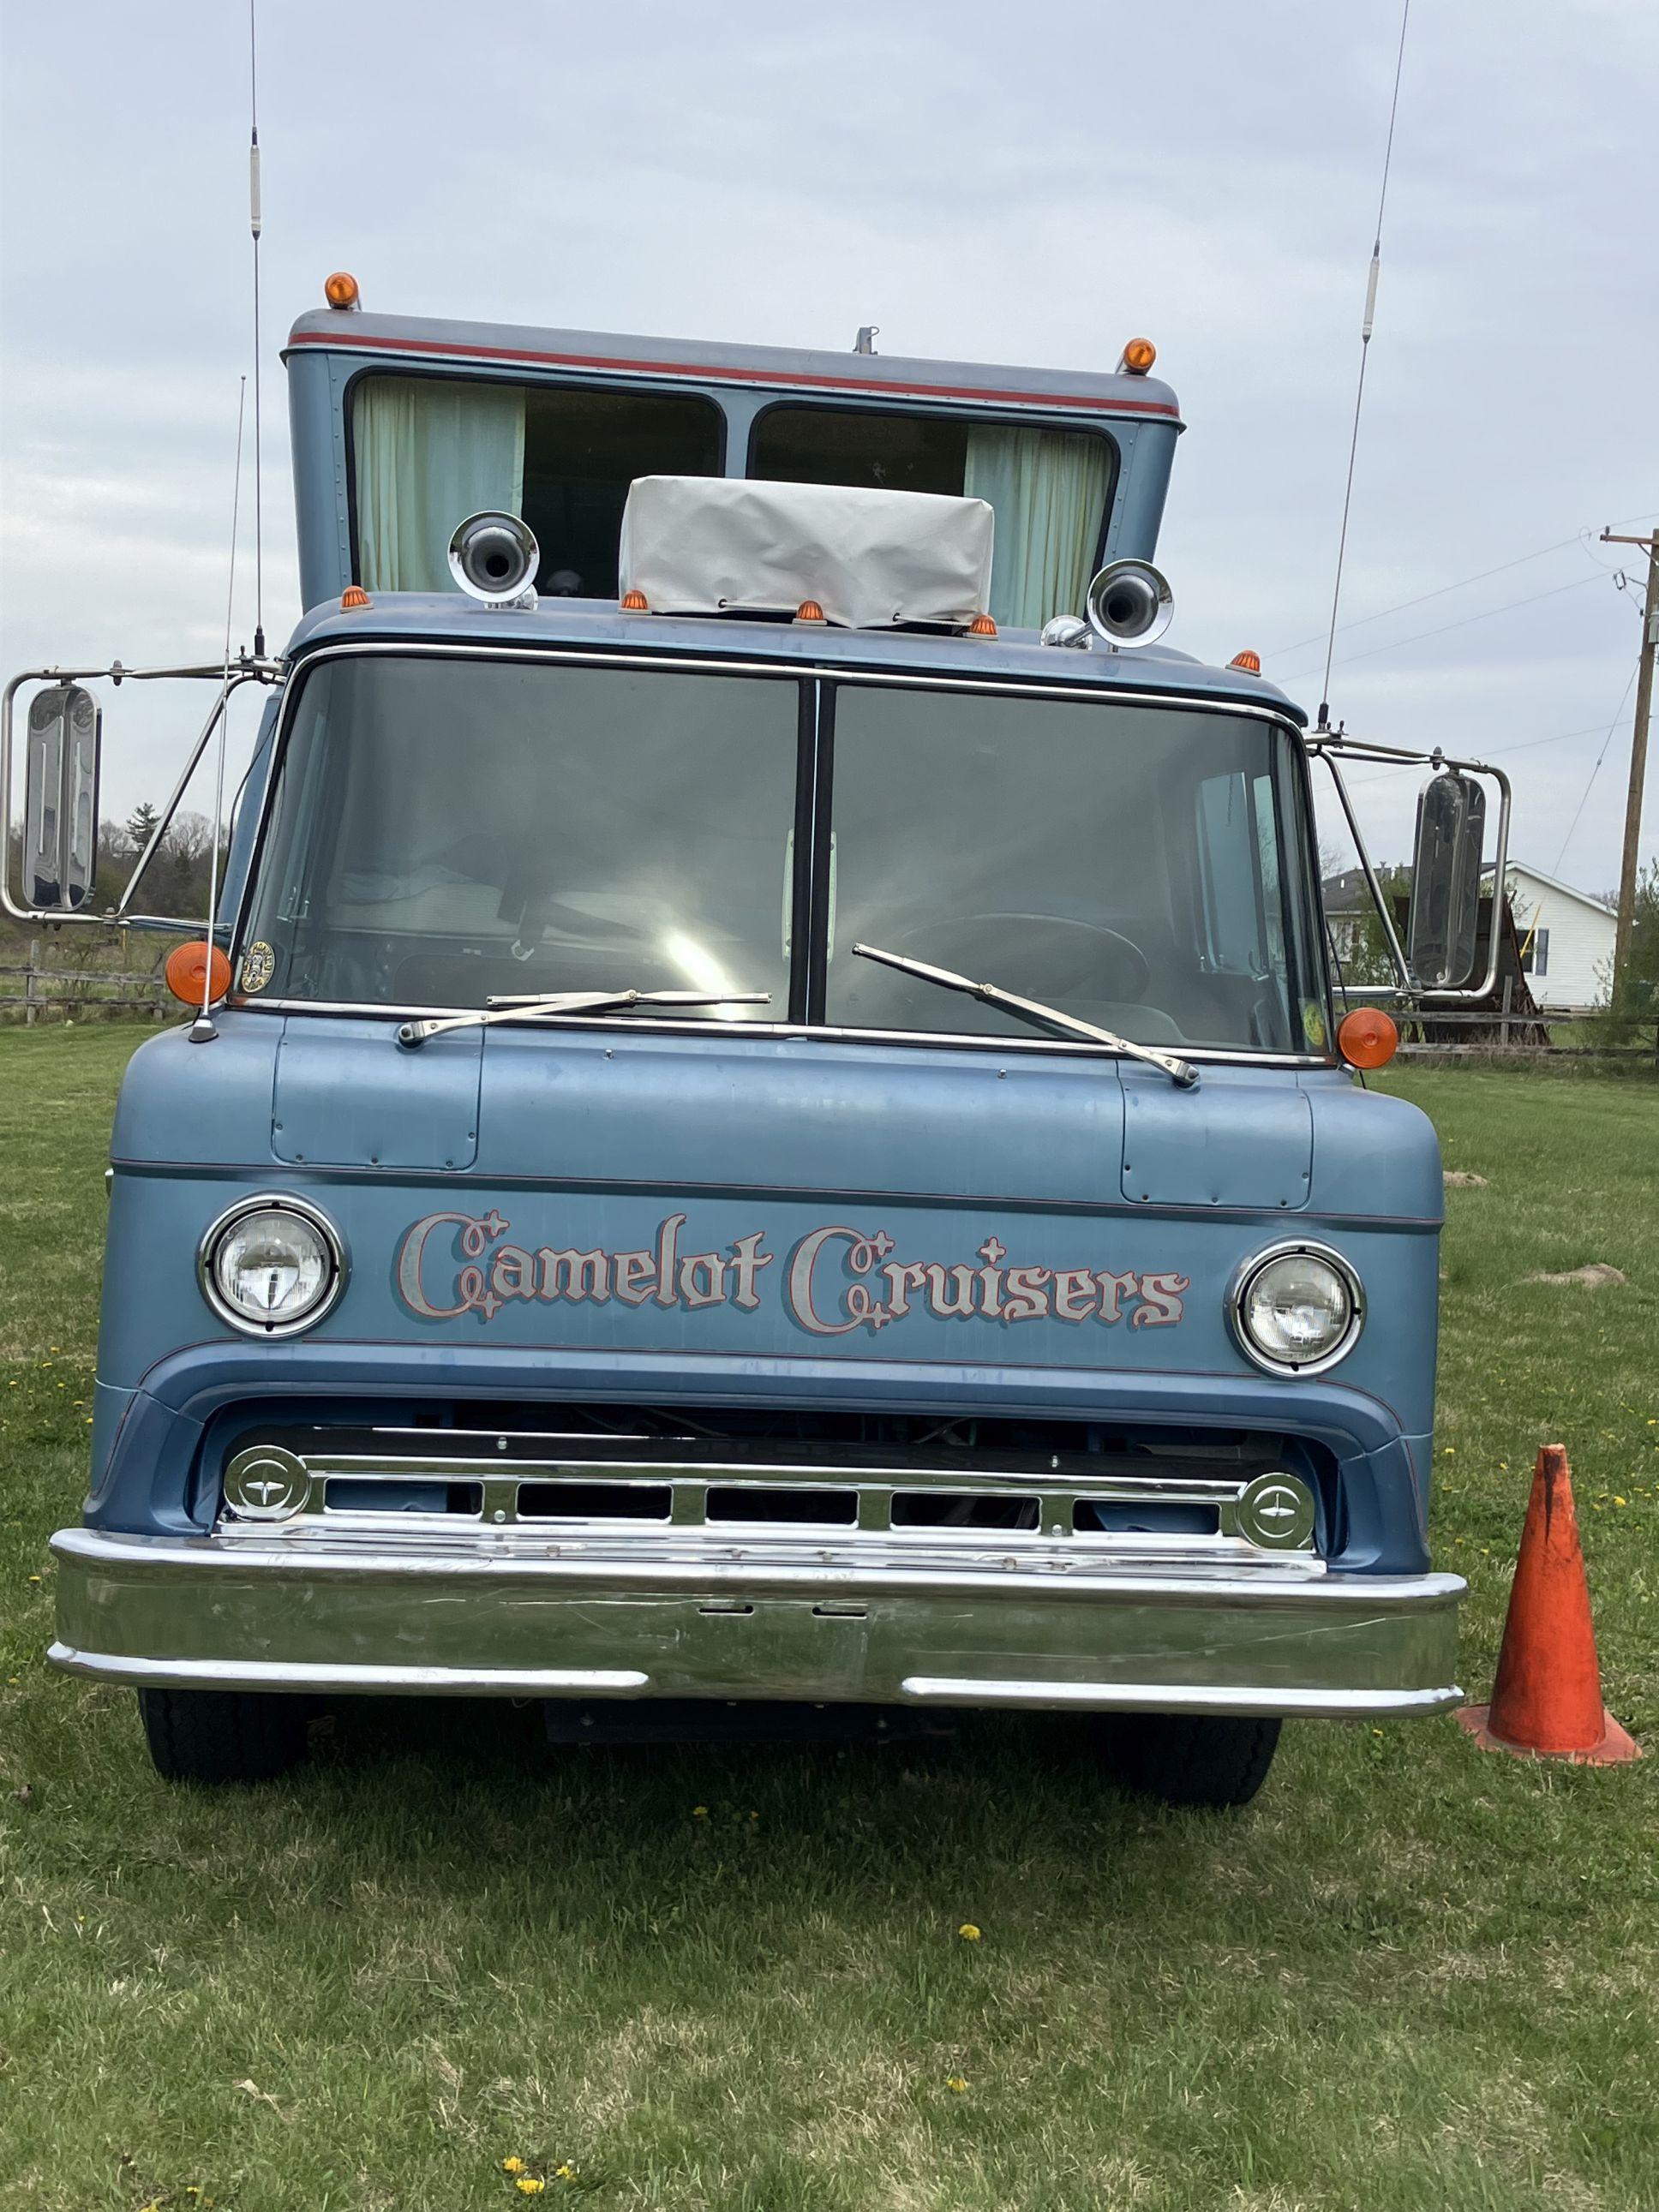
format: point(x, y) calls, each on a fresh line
point(769, 1128)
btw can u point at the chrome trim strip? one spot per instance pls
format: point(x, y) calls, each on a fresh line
point(1142, 1696)
point(659, 1026)
point(204, 1557)
point(318, 1675)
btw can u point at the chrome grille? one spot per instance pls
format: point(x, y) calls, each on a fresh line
point(556, 1494)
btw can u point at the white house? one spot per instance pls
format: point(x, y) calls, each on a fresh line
point(1566, 938)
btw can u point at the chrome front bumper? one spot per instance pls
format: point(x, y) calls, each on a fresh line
point(854, 1622)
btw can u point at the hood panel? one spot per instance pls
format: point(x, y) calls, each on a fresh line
point(1242, 1136)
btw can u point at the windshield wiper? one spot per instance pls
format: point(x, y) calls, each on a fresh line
point(572, 1002)
point(1179, 1071)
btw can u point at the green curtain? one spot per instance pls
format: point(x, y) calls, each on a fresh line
point(430, 451)
point(1048, 491)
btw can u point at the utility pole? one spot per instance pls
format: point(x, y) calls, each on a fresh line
point(1638, 751)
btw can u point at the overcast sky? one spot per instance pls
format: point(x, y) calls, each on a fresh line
point(1030, 186)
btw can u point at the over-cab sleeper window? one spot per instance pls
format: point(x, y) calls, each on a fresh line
point(428, 451)
point(1048, 489)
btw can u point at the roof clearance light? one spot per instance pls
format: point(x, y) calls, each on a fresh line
point(1367, 1037)
point(187, 971)
point(809, 610)
point(981, 626)
point(354, 596)
point(1249, 660)
point(340, 289)
point(1138, 357)
point(634, 603)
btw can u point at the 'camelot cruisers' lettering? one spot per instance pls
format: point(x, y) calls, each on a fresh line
point(837, 1279)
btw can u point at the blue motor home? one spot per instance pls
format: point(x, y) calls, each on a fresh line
point(765, 1122)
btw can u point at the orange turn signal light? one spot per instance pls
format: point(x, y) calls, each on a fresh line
point(1138, 356)
point(1249, 660)
point(354, 596)
point(340, 289)
point(809, 610)
point(981, 626)
point(191, 967)
point(634, 603)
point(1367, 1037)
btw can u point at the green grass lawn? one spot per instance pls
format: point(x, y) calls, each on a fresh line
point(1413, 1975)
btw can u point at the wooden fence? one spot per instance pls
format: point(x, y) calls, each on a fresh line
point(1490, 1032)
point(59, 993)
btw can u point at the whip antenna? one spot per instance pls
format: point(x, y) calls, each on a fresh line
point(1364, 351)
point(254, 225)
point(202, 1030)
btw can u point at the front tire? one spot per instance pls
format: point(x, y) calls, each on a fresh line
point(222, 1735)
point(1206, 1759)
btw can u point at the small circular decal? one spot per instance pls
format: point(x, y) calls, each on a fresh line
point(1313, 1026)
point(258, 966)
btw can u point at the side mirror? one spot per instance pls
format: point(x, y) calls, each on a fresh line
point(1445, 902)
point(60, 798)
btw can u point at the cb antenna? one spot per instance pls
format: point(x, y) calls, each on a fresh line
point(1364, 351)
point(254, 225)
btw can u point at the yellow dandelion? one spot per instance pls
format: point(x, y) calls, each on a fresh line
point(699, 1811)
point(957, 2081)
point(564, 2171)
point(512, 2166)
point(968, 1932)
point(1617, 1499)
point(34, 1578)
point(529, 2185)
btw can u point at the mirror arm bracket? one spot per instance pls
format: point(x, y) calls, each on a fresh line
point(1396, 950)
point(245, 670)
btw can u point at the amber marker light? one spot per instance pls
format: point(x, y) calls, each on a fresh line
point(1138, 357)
point(1367, 1037)
point(634, 603)
point(809, 610)
point(340, 289)
point(354, 596)
point(192, 966)
point(981, 626)
point(1249, 660)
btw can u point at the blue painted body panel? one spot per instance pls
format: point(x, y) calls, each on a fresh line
point(827, 1162)
point(327, 350)
point(416, 618)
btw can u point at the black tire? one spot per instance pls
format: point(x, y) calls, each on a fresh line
point(222, 1735)
point(1190, 1759)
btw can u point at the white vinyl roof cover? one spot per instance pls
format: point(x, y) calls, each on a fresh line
point(873, 560)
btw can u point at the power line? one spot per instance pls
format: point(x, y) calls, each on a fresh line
point(1364, 355)
point(1578, 537)
point(1463, 621)
point(1594, 773)
point(1487, 752)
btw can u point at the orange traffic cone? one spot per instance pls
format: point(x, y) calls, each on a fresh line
point(1546, 1701)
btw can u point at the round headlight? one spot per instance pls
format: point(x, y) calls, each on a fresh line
point(272, 1265)
point(1297, 1309)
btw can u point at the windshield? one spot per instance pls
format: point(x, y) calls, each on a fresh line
point(1138, 866)
point(448, 830)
